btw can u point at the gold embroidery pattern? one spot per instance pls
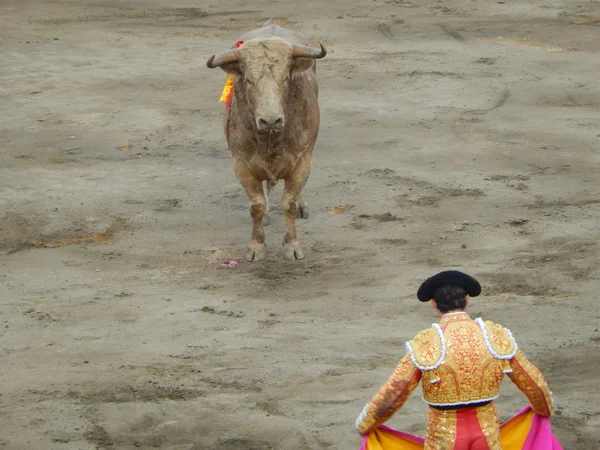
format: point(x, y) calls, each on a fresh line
point(427, 348)
point(441, 430)
point(500, 339)
point(532, 383)
point(391, 396)
point(490, 425)
point(469, 373)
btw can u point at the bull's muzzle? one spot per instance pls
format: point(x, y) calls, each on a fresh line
point(269, 123)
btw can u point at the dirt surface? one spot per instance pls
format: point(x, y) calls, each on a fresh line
point(456, 134)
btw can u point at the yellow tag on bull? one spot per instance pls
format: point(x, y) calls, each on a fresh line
point(227, 90)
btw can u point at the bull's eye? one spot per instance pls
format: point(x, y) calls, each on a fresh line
point(247, 80)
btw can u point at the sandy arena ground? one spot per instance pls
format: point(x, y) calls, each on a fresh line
point(456, 134)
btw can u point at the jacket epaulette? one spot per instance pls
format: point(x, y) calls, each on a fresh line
point(427, 349)
point(498, 340)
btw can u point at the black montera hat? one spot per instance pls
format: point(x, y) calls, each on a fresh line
point(431, 284)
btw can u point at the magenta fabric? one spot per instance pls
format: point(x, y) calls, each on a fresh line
point(540, 435)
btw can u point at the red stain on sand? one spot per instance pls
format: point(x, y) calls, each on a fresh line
point(93, 238)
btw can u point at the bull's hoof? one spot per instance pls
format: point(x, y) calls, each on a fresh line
point(303, 212)
point(256, 253)
point(266, 221)
point(293, 251)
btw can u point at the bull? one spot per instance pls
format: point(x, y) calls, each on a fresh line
point(271, 124)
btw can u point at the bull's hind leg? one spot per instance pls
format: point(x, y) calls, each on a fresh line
point(303, 207)
point(256, 198)
point(267, 188)
point(290, 204)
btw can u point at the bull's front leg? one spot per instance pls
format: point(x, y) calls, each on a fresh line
point(268, 187)
point(253, 189)
point(290, 205)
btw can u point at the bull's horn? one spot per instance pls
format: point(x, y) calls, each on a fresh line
point(304, 51)
point(225, 57)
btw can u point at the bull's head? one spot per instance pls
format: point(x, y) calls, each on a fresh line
point(264, 69)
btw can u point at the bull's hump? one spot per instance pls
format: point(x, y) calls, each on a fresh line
point(273, 30)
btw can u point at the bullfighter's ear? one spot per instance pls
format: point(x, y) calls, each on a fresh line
point(232, 68)
point(300, 65)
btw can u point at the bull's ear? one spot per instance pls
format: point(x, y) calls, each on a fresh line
point(232, 68)
point(300, 65)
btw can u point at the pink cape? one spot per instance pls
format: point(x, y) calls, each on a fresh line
point(525, 431)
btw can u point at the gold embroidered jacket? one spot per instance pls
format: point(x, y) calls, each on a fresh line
point(458, 361)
